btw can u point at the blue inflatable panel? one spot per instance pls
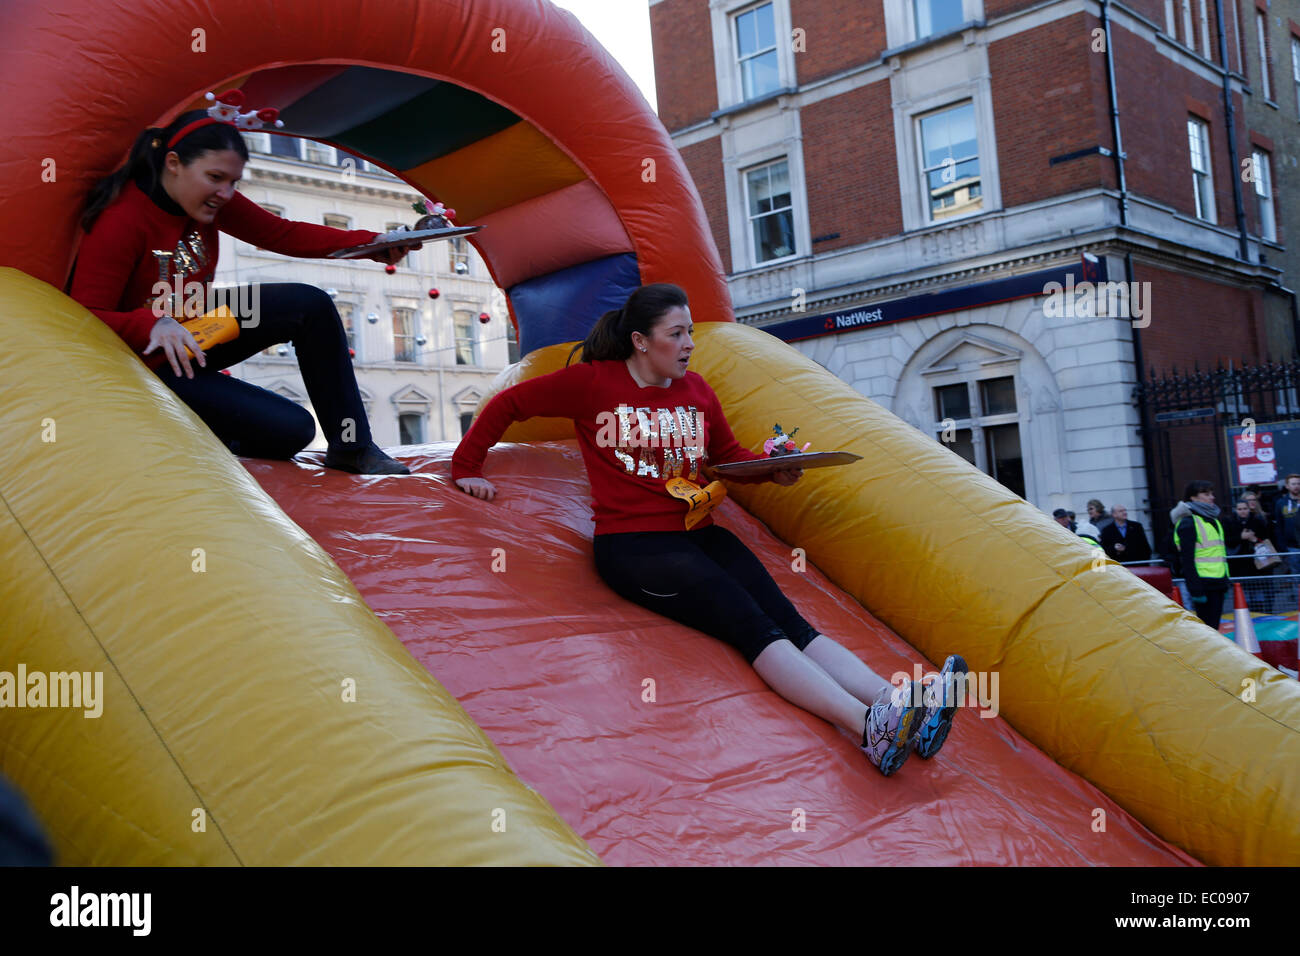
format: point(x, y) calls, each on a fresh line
point(562, 306)
point(354, 97)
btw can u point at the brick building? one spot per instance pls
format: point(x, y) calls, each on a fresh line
point(935, 200)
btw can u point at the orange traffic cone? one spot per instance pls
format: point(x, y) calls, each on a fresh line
point(1243, 628)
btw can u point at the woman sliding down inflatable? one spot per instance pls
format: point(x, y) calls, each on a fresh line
point(151, 228)
point(644, 423)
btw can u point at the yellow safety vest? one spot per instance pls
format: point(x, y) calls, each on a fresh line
point(1210, 554)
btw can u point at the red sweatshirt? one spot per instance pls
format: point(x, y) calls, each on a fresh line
point(116, 273)
point(633, 439)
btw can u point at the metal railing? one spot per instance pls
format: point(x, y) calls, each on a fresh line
point(1275, 590)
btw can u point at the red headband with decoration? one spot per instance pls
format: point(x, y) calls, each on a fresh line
point(225, 109)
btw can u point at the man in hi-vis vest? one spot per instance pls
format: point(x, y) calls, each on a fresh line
point(1199, 539)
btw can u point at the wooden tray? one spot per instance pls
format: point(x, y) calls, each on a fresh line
point(816, 459)
point(406, 239)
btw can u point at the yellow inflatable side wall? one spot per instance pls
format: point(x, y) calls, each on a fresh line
point(1195, 738)
point(253, 710)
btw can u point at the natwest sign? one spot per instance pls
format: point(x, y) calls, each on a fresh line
point(1031, 284)
point(850, 320)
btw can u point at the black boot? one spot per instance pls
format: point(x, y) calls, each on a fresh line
point(369, 460)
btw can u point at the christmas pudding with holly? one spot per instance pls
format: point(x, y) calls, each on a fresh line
point(782, 444)
point(436, 216)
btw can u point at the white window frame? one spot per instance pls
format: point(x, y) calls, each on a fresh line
point(1205, 31)
point(414, 331)
point(1261, 36)
point(780, 139)
point(1204, 199)
point(914, 16)
point(1295, 69)
point(920, 176)
point(421, 417)
point(1189, 31)
point(1263, 175)
point(1236, 32)
point(916, 206)
point(979, 421)
point(476, 358)
point(319, 153)
point(740, 61)
point(297, 141)
point(900, 19)
point(347, 220)
point(458, 251)
point(726, 62)
point(1171, 24)
point(750, 246)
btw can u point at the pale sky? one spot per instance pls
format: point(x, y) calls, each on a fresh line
point(623, 28)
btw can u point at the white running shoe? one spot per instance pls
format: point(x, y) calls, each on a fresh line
point(891, 723)
point(940, 708)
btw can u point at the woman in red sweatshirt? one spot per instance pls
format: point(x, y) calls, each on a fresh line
point(641, 419)
point(168, 203)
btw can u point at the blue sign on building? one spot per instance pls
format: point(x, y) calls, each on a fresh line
point(936, 303)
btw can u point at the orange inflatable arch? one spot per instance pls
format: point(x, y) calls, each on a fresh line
point(507, 111)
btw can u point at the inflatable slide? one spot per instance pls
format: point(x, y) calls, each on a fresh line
point(303, 667)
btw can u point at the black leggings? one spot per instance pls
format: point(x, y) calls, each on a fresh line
point(705, 579)
point(258, 423)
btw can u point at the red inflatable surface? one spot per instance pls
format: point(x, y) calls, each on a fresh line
point(501, 602)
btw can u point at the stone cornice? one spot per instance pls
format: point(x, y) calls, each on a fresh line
point(333, 182)
point(1146, 248)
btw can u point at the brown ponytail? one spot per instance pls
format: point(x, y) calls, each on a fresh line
point(611, 336)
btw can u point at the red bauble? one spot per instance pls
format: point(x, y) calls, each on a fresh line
point(225, 371)
point(434, 293)
point(484, 318)
point(390, 269)
point(352, 353)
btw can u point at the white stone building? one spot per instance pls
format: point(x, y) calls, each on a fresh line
point(422, 363)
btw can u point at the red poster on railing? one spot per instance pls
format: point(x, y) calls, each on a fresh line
point(1256, 458)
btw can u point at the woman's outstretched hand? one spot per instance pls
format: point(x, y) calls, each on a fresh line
point(787, 476)
point(478, 487)
point(173, 338)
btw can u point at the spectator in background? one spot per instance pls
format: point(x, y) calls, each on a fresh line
point(1198, 536)
point(1286, 519)
point(1097, 516)
point(1062, 518)
point(1125, 540)
point(1072, 526)
point(1241, 532)
point(1256, 509)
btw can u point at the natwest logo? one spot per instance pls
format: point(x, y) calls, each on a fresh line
point(860, 317)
